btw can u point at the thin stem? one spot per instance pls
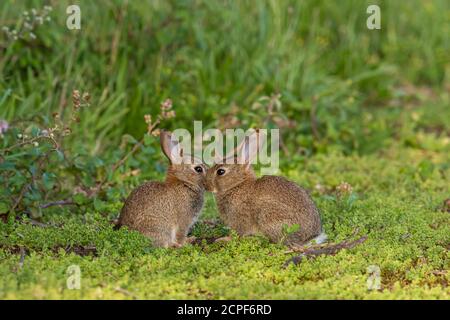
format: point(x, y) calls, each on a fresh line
point(120, 162)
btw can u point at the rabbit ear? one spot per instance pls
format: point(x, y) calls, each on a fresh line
point(249, 148)
point(230, 156)
point(171, 147)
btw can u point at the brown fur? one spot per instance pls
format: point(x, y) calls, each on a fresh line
point(165, 211)
point(262, 206)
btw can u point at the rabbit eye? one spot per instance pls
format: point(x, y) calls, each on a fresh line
point(198, 169)
point(220, 172)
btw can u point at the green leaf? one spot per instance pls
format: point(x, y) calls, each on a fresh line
point(351, 199)
point(80, 199)
point(7, 165)
point(48, 180)
point(35, 131)
point(99, 205)
point(60, 155)
point(4, 207)
point(426, 169)
point(97, 162)
point(148, 140)
point(79, 163)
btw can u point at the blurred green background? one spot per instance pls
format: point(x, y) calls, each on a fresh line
point(342, 85)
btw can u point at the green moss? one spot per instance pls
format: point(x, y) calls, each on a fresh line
point(408, 240)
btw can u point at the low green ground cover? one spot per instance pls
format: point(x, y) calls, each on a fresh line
point(391, 200)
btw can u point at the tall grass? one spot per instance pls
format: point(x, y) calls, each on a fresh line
point(209, 55)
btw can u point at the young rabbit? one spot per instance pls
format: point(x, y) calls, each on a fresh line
point(262, 206)
point(165, 211)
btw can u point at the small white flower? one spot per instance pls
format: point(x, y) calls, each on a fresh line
point(36, 144)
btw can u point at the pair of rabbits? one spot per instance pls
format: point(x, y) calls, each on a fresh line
point(165, 211)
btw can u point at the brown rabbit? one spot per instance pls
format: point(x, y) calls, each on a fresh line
point(165, 211)
point(262, 206)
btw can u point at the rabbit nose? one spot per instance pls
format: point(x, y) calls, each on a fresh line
point(210, 186)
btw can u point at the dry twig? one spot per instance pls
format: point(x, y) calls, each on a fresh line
point(325, 249)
